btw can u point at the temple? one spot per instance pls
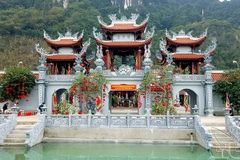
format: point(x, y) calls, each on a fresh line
point(66, 48)
point(57, 70)
point(123, 56)
point(124, 38)
point(182, 51)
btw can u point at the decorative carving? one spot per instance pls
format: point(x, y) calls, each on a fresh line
point(124, 70)
point(204, 33)
point(138, 121)
point(118, 122)
point(158, 55)
point(211, 48)
point(162, 44)
point(45, 35)
point(101, 21)
point(97, 122)
point(150, 33)
point(40, 50)
point(97, 34)
point(145, 20)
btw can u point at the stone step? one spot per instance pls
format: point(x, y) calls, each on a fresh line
point(26, 122)
point(224, 147)
point(224, 144)
point(12, 144)
point(14, 140)
point(16, 136)
point(23, 127)
point(18, 132)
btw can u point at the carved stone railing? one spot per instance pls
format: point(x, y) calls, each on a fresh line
point(232, 125)
point(120, 121)
point(181, 77)
point(35, 135)
point(60, 77)
point(203, 136)
point(8, 123)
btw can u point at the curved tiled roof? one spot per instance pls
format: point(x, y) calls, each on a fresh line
point(187, 56)
point(58, 57)
point(64, 42)
point(124, 27)
point(123, 44)
point(185, 41)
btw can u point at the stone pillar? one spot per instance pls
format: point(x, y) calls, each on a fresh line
point(41, 84)
point(148, 99)
point(208, 90)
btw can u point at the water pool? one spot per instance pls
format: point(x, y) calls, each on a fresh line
point(110, 151)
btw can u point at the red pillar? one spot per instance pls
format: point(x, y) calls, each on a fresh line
point(108, 61)
point(139, 60)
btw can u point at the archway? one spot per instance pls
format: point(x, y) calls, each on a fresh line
point(188, 99)
point(60, 95)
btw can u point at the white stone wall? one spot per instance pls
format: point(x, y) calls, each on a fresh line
point(184, 49)
point(123, 37)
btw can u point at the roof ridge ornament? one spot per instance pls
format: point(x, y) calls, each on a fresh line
point(99, 52)
point(97, 34)
point(162, 44)
point(40, 49)
point(45, 35)
point(150, 33)
point(212, 47)
point(68, 34)
point(85, 46)
point(145, 20)
point(204, 34)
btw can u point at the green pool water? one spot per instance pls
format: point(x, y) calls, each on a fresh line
point(117, 151)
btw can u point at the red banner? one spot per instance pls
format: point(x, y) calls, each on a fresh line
point(123, 87)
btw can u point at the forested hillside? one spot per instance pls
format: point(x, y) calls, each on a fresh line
point(22, 23)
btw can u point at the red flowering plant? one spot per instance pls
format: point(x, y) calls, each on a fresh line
point(158, 82)
point(16, 83)
point(62, 108)
point(86, 87)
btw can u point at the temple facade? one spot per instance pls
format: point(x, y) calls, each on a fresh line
point(123, 56)
point(128, 41)
point(192, 68)
point(57, 70)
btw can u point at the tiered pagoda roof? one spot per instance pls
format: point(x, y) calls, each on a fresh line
point(67, 40)
point(182, 39)
point(168, 47)
point(72, 44)
point(120, 26)
point(123, 24)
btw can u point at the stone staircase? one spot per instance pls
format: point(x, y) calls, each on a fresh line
point(220, 137)
point(17, 136)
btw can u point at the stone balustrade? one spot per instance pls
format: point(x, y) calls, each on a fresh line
point(7, 124)
point(203, 136)
point(67, 77)
point(120, 121)
point(190, 77)
point(35, 135)
point(232, 125)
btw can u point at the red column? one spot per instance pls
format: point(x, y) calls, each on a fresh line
point(108, 61)
point(193, 68)
point(139, 60)
point(180, 67)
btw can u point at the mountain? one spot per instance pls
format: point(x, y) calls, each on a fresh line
point(22, 23)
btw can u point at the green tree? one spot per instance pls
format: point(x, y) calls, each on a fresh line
point(16, 83)
point(229, 83)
